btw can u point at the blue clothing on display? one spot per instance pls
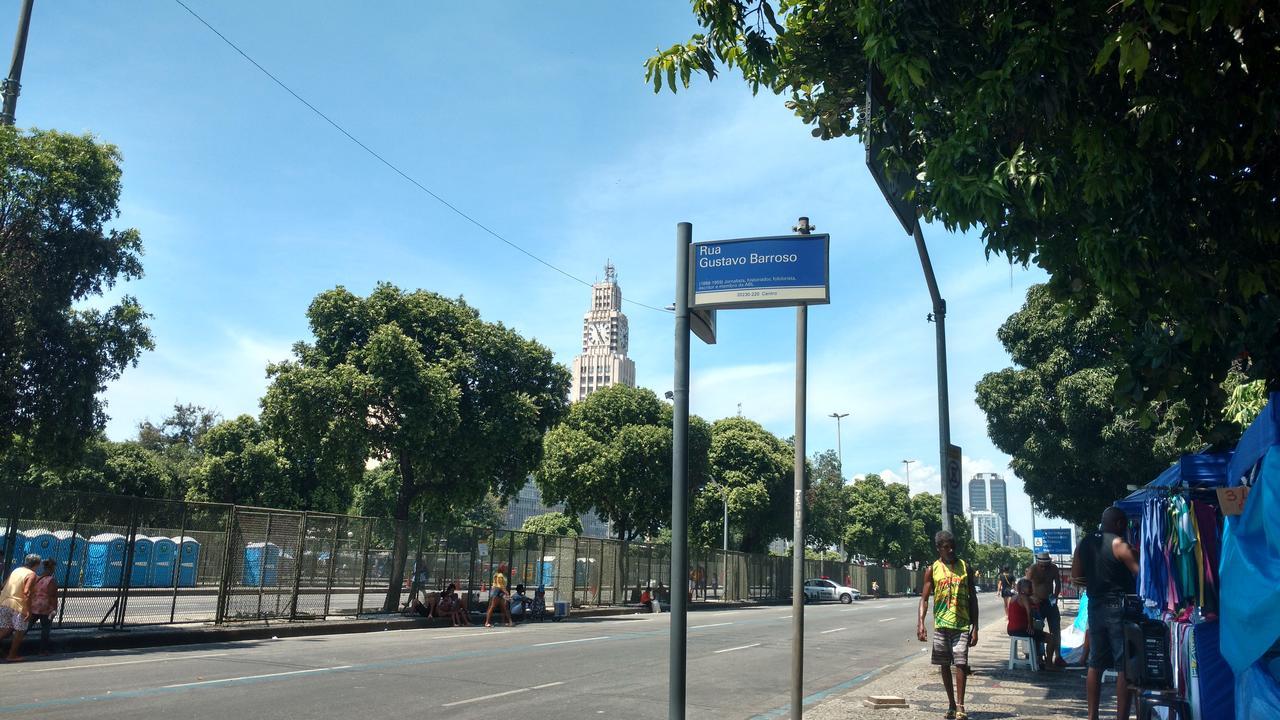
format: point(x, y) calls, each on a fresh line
point(1250, 573)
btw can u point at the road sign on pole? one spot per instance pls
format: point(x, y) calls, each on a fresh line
point(1055, 541)
point(760, 272)
point(952, 484)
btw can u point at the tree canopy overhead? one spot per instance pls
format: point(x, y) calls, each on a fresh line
point(58, 194)
point(1132, 148)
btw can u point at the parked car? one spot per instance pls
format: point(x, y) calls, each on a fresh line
point(823, 589)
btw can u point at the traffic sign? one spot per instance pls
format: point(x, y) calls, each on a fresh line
point(1055, 541)
point(953, 484)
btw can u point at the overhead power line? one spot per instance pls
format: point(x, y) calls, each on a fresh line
point(392, 166)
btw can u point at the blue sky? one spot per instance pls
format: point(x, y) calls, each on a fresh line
point(536, 121)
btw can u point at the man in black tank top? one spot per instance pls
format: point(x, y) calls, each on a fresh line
point(1106, 565)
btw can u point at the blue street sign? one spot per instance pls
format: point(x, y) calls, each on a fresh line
point(1055, 541)
point(760, 272)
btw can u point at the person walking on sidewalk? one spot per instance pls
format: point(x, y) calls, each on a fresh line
point(955, 619)
point(1106, 565)
point(15, 604)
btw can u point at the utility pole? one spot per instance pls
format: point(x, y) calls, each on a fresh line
point(680, 482)
point(907, 464)
point(939, 318)
point(13, 83)
point(839, 446)
point(797, 538)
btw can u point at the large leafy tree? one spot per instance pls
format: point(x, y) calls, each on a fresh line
point(612, 456)
point(1054, 412)
point(457, 404)
point(1125, 147)
point(879, 525)
point(58, 193)
point(828, 502)
point(752, 467)
point(241, 464)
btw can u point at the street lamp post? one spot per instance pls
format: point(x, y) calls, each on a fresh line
point(839, 448)
point(907, 465)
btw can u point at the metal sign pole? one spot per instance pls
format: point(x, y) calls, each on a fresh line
point(680, 479)
point(797, 537)
point(944, 412)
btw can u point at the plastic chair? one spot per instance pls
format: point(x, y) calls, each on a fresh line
point(1016, 643)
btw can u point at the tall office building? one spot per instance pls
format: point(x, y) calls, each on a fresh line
point(989, 493)
point(528, 503)
point(1015, 540)
point(988, 527)
point(978, 494)
point(604, 360)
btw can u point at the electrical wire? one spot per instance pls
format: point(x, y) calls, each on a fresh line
point(457, 211)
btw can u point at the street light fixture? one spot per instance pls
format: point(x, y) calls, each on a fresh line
point(839, 448)
point(907, 465)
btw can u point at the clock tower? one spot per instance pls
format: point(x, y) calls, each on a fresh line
point(604, 360)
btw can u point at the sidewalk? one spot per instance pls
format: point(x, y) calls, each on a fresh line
point(993, 690)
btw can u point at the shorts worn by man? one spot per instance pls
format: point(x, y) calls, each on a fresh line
point(955, 619)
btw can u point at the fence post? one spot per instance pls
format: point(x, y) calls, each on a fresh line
point(224, 583)
point(333, 563)
point(297, 566)
point(126, 570)
point(417, 562)
point(364, 566)
point(262, 565)
point(177, 561)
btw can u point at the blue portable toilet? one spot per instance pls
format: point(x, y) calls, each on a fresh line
point(70, 554)
point(143, 551)
point(104, 562)
point(188, 560)
point(261, 562)
point(164, 554)
point(19, 550)
point(41, 542)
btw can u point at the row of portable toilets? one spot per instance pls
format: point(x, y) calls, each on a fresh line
point(99, 561)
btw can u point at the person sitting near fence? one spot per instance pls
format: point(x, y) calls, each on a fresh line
point(646, 600)
point(450, 605)
point(498, 599)
point(519, 603)
point(426, 606)
point(1020, 613)
point(44, 602)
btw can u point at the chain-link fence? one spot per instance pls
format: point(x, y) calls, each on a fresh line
point(137, 561)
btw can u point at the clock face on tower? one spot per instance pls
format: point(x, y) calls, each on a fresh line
point(597, 334)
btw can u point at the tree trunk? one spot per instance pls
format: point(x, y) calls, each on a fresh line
point(621, 584)
point(400, 551)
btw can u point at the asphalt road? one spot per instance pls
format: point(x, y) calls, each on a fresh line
point(738, 667)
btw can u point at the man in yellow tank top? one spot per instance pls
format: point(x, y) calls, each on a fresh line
point(955, 619)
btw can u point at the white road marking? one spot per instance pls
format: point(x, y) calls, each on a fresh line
point(785, 617)
point(824, 632)
point(566, 642)
point(699, 627)
point(127, 662)
point(256, 677)
point(501, 694)
point(848, 610)
point(886, 619)
point(740, 647)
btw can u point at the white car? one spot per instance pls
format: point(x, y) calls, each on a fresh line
point(823, 589)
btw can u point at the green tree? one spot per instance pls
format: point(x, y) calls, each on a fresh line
point(241, 464)
point(1124, 147)
point(458, 405)
point(612, 456)
point(880, 523)
point(1055, 411)
point(752, 468)
point(58, 194)
point(104, 466)
point(553, 523)
point(828, 502)
point(185, 426)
